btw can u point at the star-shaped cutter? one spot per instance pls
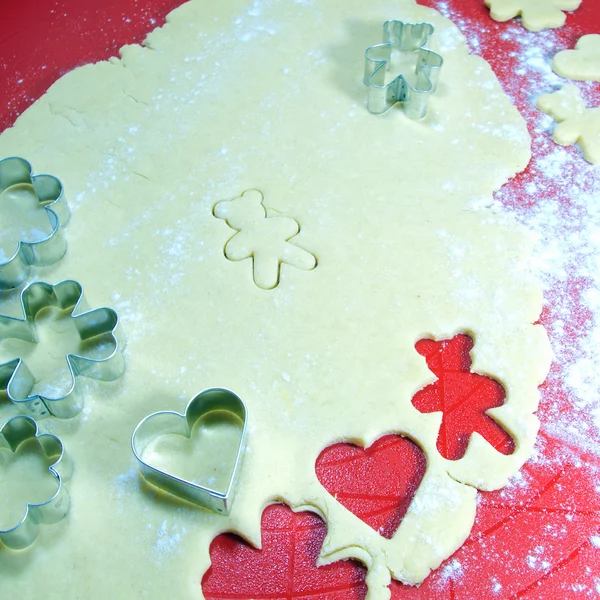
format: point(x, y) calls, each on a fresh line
point(406, 37)
point(18, 380)
point(12, 434)
point(44, 252)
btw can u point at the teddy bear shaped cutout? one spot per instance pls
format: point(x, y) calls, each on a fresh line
point(462, 396)
point(264, 238)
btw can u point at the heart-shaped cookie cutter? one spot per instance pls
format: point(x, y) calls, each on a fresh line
point(12, 434)
point(50, 249)
point(165, 422)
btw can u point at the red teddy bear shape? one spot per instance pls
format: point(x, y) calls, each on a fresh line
point(462, 396)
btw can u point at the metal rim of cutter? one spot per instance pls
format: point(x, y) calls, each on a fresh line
point(17, 379)
point(406, 37)
point(12, 434)
point(165, 422)
point(50, 194)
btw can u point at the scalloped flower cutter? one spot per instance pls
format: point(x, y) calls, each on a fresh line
point(49, 191)
point(405, 37)
point(17, 379)
point(165, 422)
point(14, 432)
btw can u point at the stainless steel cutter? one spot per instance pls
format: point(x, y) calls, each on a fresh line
point(165, 422)
point(13, 433)
point(405, 37)
point(50, 194)
point(15, 376)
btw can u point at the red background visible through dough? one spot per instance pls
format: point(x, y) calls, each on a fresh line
point(536, 540)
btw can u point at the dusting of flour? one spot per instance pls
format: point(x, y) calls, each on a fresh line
point(558, 199)
point(560, 203)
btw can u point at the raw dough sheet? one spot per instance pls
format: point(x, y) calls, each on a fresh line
point(225, 99)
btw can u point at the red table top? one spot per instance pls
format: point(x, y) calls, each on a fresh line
point(540, 536)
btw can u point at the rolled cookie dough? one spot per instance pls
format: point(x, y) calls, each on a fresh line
point(576, 123)
point(225, 99)
point(582, 63)
point(535, 14)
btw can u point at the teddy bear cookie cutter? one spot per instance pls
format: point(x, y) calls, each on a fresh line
point(168, 422)
point(409, 38)
point(48, 190)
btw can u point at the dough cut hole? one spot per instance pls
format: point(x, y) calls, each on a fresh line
point(291, 543)
point(462, 396)
point(376, 483)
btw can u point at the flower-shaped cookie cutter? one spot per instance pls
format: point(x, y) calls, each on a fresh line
point(16, 171)
point(405, 37)
point(165, 422)
point(17, 379)
point(14, 432)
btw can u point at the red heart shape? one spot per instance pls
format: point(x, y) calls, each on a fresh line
point(377, 483)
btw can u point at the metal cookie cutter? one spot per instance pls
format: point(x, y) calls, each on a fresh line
point(14, 432)
point(49, 191)
point(164, 422)
point(18, 380)
point(406, 37)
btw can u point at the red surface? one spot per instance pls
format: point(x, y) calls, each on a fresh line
point(547, 519)
point(40, 40)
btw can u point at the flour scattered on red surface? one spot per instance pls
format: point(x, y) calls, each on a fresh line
point(534, 539)
point(558, 198)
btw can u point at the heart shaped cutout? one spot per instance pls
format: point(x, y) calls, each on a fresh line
point(216, 418)
point(376, 483)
